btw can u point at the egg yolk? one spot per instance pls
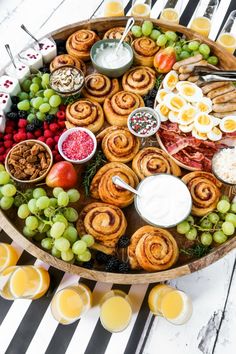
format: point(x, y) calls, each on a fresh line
point(176, 102)
point(202, 107)
point(204, 120)
point(164, 110)
point(172, 304)
point(216, 131)
point(188, 90)
point(171, 81)
point(162, 95)
point(230, 125)
point(188, 114)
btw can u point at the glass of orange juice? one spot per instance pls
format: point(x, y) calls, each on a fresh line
point(227, 37)
point(204, 13)
point(172, 11)
point(113, 8)
point(141, 8)
point(116, 311)
point(8, 256)
point(70, 303)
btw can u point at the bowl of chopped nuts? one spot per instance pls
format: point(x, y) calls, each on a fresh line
point(67, 80)
point(29, 161)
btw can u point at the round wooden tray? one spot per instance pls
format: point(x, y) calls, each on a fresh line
point(227, 61)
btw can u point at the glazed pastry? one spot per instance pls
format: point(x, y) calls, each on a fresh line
point(67, 59)
point(120, 105)
point(116, 33)
point(98, 86)
point(205, 191)
point(144, 49)
point(85, 113)
point(152, 249)
point(139, 80)
point(118, 144)
point(103, 188)
point(152, 160)
point(80, 42)
point(105, 222)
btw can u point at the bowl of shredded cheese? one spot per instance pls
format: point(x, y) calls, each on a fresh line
point(224, 165)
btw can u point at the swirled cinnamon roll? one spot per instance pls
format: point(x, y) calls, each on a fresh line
point(116, 33)
point(102, 186)
point(98, 86)
point(105, 222)
point(144, 49)
point(152, 249)
point(80, 42)
point(152, 160)
point(120, 105)
point(85, 113)
point(118, 144)
point(139, 80)
point(205, 191)
point(67, 59)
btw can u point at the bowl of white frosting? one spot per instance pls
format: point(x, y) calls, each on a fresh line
point(109, 61)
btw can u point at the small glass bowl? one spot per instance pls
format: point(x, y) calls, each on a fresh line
point(70, 92)
point(213, 167)
point(145, 110)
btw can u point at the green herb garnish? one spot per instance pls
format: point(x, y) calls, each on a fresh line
point(159, 81)
point(71, 99)
point(197, 250)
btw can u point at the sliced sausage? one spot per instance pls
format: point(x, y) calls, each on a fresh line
point(221, 91)
point(223, 114)
point(187, 61)
point(212, 86)
point(183, 77)
point(225, 98)
point(224, 107)
point(193, 78)
point(184, 69)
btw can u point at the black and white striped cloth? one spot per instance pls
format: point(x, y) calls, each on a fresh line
point(28, 326)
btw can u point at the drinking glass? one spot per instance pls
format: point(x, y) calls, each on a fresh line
point(171, 11)
point(113, 8)
point(227, 37)
point(141, 8)
point(204, 13)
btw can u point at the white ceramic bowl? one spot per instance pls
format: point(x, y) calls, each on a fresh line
point(146, 110)
point(64, 136)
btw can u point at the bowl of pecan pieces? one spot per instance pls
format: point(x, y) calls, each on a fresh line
point(29, 161)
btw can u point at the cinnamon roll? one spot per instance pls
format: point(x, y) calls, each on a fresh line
point(118, 144)
point(103, 188)
point(105, 222)
point(67, 59)
point(205, 191)
point(80, 42)
point(98, 86)
point(116, 33)
point(85, 113)
point(152, 249)
point(139, 80)
point(120, 105)
point(144, 49)
point(152, 160)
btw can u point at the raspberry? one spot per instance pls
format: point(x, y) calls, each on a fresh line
point(45, 126)
point(38, 133)
point(30, 135)
point(8, 137)
point(62, 107)
point(22, 136)
point(50, 142)
point(21, 130)
point(53, 127)
point(61, 115)
point(8, 143)
point(22, 123)
point(48, 133)
point(56, 138)
point(2, 150)
point(16, 138)
point(42, 138)
point(8, 130)
point(61, 124)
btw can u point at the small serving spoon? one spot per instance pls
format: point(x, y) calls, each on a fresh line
point(10, 54)
point(121, 183)
point(32, 36)
point(128, 26)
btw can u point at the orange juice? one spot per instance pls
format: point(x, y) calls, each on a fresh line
point(8, 256)
point(155, 297)
point(201, 25)
point(176, 307)
point(116, 311)
point(69, 304)
point(140, 10)
point(113, 8)
point(170, 15)
point(228, 41)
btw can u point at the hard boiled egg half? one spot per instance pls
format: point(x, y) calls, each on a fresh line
point(203, 122)
point(204, 105)
point(174, 102)
point(170, 80)
point(228, 124)
point(215, 134)
point(163, 111)
point(189, 91)
point(161, 95)
point(187, 114)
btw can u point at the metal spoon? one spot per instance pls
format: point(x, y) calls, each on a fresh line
point(128, 26)
point(32, 36)
point(10, 54)
point(121, 183)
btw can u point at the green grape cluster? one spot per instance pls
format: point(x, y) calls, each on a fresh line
point(185, 49)
point(216, 226)
point(7, 189)
point(37, 98)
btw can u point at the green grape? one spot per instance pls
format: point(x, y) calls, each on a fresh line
point(39, 94)
point(53, 202)
point(55, 101)
point(206, 224)
point(32, 206)
point(31, 222)
point(186, 48)
point(219, 237)
point(190, 219)
point(8, 190)
point(205, 56)
point(29, 233)
point(41, 116)
point(193, 45)
point(147, 27)
point(26, 85)
point(23, 96)
point(67, 256)
point(60, 218)
point(43, 227)
point(137, 31)
point(178, 49)
point(172, 36)
point(49, 212)
point(56, 191)
point(74, 195)
point(2, 168)
point(37, 80)
point(228, 228)
point(84, 257)
point(161, 40)
point(48, 93)
point(230, 217)
point(30, 117)
point(6, 202)
point(219, 224)
point(55, 252)
point(42, 202)
point(191, 234)
point(39, 192)
point(71, 214)
point(206, 238)
point(37, 102)
point(23, 105)
point(184, 55)
point(88, 239)
point(18, 200)
point(45, 80)
point(23, 211)
point(34, 88)
point(195, 52)
point(204, 49)
point(223, 206)
point(44, 107)
point(4, 177)
point(57, 229)
point(183, 227)
point(70, 234)
point(53, 110)
point(46, 100)
point(213, 60)
point(155, 34)
point(233, 207)
point(47, 243)
point(224, 197)
point(62, 244)
point(213, 218)
point(79, 247)
point(63, 199)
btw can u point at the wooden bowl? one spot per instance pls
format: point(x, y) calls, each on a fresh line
point(227, 61)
